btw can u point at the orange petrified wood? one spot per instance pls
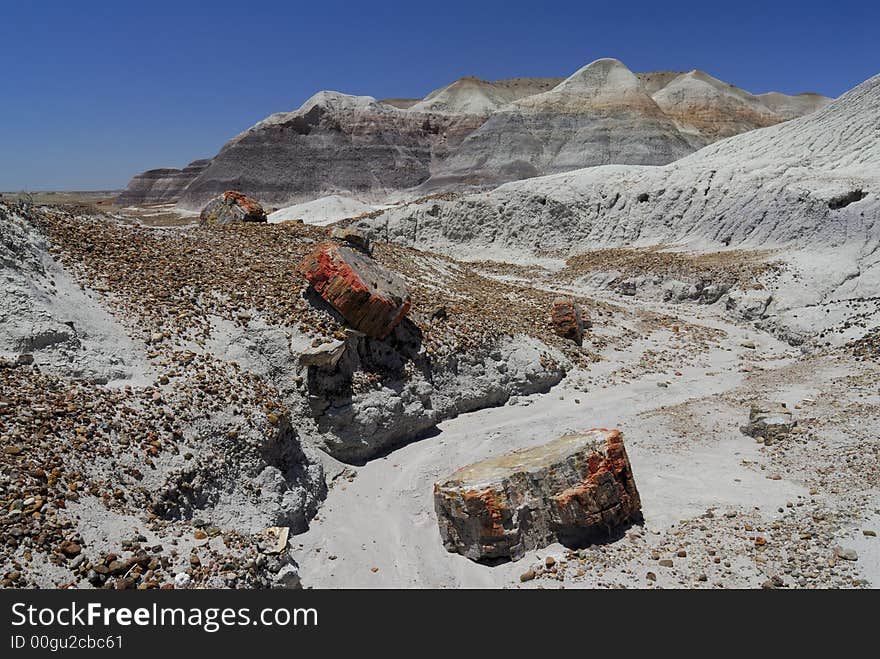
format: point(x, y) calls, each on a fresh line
point(570, 490)
point(232, 207)
point(369, 297)
point(251, 206)
point(565, 316)
point(606, 495)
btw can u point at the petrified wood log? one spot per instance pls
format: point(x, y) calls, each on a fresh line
point(232, 207)
point(572, 490)
point(371, 298)
point(566, 319)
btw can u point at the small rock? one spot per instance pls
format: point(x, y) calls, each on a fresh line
point(846, 554)
point(528, 575)
point(769, 422)
point(288, 577)
point(326, 355)
point(276, 539)
point(69, 548)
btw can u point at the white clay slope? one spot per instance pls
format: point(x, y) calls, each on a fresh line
point(598, 115)
point(808, 188)
point(789, 107)
point(322, 211)
point(470, 95)
point(810, 181)
point(464, 96)
point(710, 109)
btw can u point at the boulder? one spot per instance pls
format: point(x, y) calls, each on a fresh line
point(232, 207)
point(572, 490)
point(371, 298)
point(354, 237)
point(326, 355)
point(769, 422)
point(566, 319)
point(750, 304)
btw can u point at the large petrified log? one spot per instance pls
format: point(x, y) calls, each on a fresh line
point(572, 490)
point(371, 298)
point(231, 207)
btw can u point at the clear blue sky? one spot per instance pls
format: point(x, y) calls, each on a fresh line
point(95, 91)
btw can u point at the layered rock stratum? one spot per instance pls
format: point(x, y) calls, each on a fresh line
point(472, 95)
point(472, 132)
point(600, 114)
point(332, 143)
point(161, 186)
point(809, 184)
point(812, 180)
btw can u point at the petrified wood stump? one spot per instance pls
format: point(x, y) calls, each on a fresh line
point(572, 490)
point(566, 319)
point(770, 422)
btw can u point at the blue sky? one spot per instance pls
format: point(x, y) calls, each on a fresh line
point(95, 91)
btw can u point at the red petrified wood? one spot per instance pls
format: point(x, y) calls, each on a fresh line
point(369, 297)
point(232, 207)
point(566, 319)
point(251, 206)
point(570, 490)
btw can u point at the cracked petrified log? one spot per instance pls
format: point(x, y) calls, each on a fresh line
point(573, 490)
point(566, 319)
point(232, 207)
point(371, 298)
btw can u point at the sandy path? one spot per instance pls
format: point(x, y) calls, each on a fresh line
point(379, 530)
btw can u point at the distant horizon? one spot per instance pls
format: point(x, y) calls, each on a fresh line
point(100, 92)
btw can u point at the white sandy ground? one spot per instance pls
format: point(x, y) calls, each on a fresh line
point(155, 210)
point(323, 211)
point(688, 455)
